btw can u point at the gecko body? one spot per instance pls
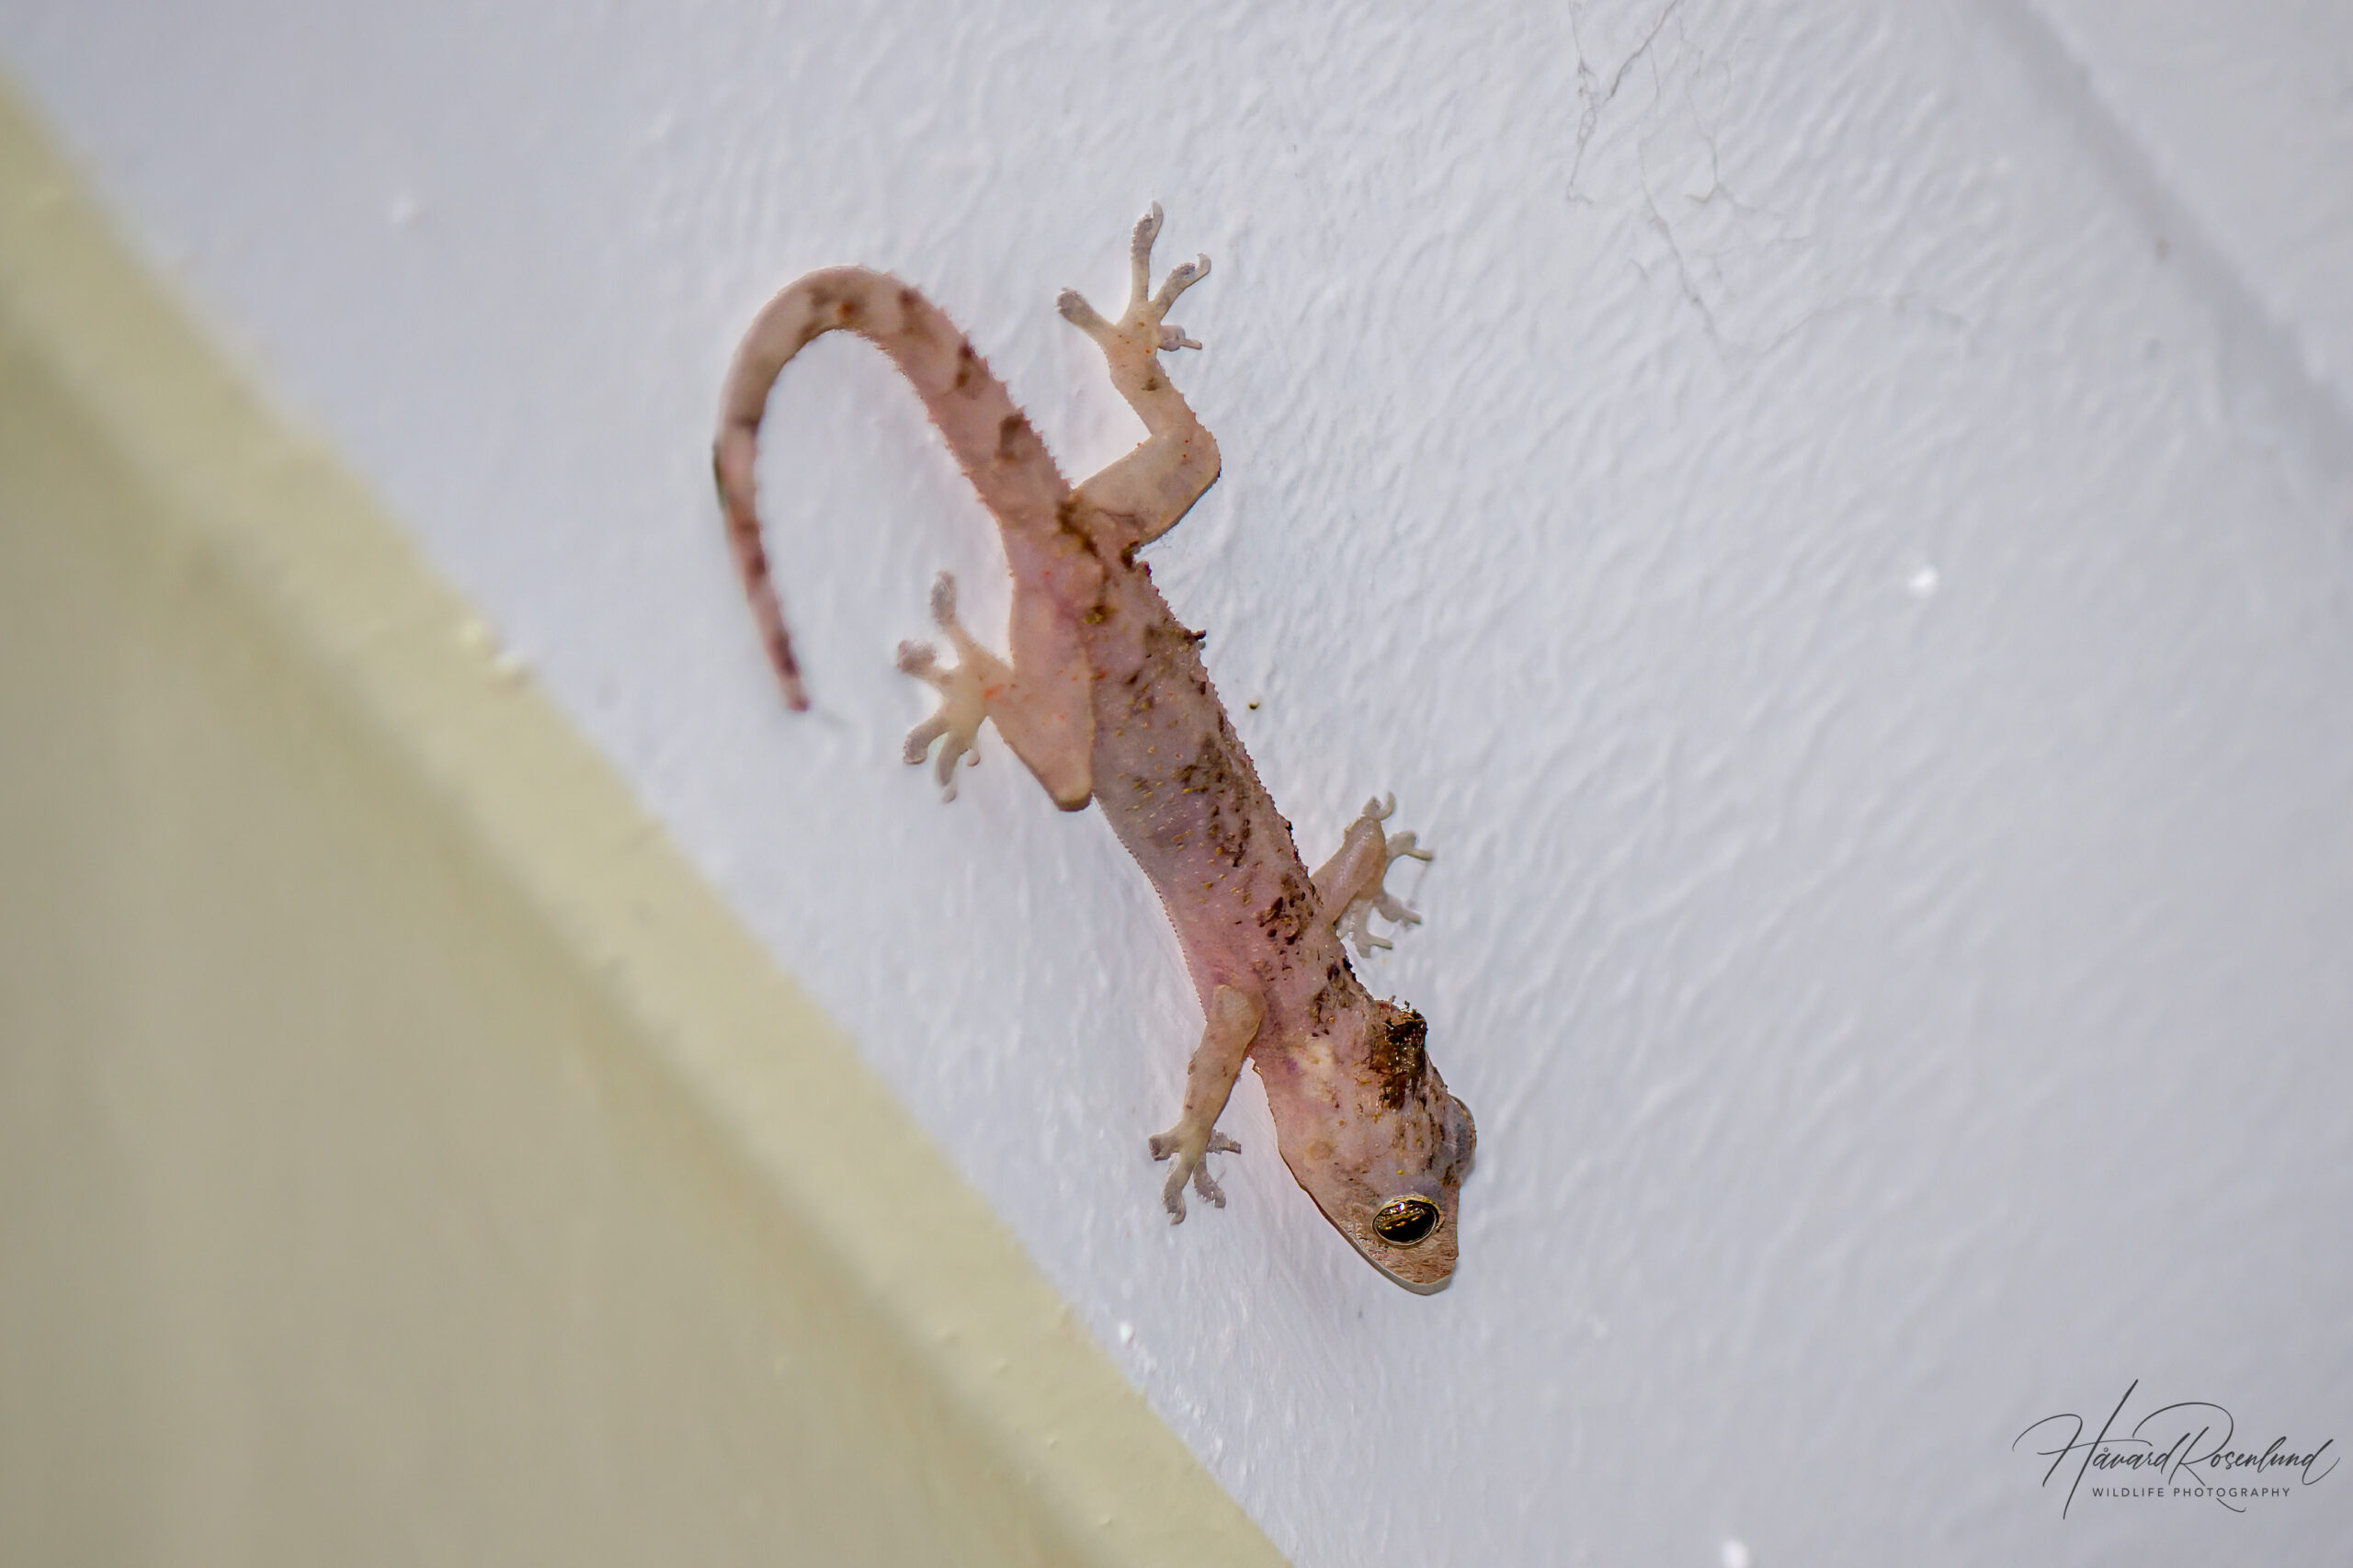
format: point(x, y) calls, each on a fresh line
point(1105, 699)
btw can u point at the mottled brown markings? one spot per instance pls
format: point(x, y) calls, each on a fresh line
point(1292, 912)
point(1227, 840)
point(1397, 1055)
point(1222, 835)
point(1009, 431)
point(913, 319)
point(967, 363)
point(1208, 770)
point(1321, 1007)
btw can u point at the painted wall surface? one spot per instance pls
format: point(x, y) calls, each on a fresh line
point(1832, 524)
point(2239, 118)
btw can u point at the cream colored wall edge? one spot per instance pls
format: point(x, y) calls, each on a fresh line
point(402, 1155)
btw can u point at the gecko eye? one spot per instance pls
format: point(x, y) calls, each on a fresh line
point(1405, 1221)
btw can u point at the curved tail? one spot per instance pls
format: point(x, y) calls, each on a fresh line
point(990, 436)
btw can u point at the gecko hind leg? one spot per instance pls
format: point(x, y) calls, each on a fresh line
point(1033, 714)
point(1348, 887)
point(1227, 1034)
point(1154, 485)
point(963, 690)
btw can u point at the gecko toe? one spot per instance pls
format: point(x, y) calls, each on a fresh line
point(1172, 1194)
point(1082, 316)
point(1191, 1164)
point(919, 739)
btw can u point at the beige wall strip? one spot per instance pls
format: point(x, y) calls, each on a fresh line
point(402, 1156)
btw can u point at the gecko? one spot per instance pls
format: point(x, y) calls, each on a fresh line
point(1104, 698)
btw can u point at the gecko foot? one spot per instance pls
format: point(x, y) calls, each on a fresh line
point(1190, 1163)
point(1348, 886)
point(1144, 325)
point(963, 689)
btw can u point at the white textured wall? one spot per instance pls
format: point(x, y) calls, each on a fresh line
point(1833, 519)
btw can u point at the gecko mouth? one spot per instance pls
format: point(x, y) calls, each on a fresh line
point(1434, 1274)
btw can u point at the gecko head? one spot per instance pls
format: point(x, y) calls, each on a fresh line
point(1386, 1162)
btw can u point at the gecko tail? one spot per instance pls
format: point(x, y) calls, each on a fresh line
point(988, 433)
point(732, 460)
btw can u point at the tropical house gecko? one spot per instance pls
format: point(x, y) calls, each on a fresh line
point(1105, 699)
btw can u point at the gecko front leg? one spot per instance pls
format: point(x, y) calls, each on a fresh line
point(1348, 889)
point(1232, 1025)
